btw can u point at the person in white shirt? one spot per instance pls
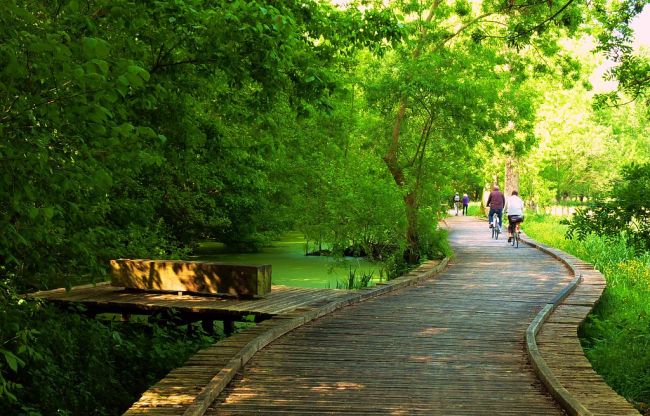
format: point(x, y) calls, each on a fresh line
point(515, 210)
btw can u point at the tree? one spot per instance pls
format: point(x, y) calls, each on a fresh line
point(136, 130)
point(427, 120)
point(624, 211)
point(615, 37)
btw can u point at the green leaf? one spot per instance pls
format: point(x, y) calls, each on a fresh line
point(141, 72)
point(102, 179)
point(73, 6)
point(48, 212)
point(146, 132)
point(32, 212)
point(101, 65)
point(95, 48)
point(12, 360)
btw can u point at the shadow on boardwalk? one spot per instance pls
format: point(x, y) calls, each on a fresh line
point(452, 345)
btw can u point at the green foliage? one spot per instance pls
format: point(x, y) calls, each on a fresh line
point(354, 281)
point(475, 210)
point(580, 151)
point(625, 210)
point(55, 362)
point(615, 40)
point(394, 267)
point(616, 335)
point(137, 130)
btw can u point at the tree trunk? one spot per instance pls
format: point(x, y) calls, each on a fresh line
point(511, 176)
point(391, 158)
point(412, 254)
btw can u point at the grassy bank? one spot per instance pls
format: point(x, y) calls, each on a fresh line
point(616, 336)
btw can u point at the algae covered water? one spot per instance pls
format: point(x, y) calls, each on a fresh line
point(290, 266)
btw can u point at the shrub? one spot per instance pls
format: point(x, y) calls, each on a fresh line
point(57, 362)
point(625, 210)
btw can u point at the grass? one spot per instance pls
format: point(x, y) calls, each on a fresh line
point(475, 210)
point(354, 280)
point(616, 336)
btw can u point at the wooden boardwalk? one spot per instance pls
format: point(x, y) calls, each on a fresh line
point(556, 349)
point(189, 390)
point(105, 298)
point(451, 345)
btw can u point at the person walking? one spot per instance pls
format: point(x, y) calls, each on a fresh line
point(456, 202)
point(514, 208)
point(465, 204)
point(496, 201)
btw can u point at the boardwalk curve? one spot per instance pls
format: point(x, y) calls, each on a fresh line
point(451, 345)
point(554, 348)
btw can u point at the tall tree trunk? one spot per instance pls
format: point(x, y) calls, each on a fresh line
point(511, 176)
point(391, 158)
point(412, 254)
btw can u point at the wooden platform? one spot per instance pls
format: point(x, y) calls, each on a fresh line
point(106, 298)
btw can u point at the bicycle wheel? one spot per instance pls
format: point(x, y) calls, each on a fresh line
point(496, 230)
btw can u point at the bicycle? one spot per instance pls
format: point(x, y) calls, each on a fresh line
point(515, 229)
point(496, 228)
point(515, 236)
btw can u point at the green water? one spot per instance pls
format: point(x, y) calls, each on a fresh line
point(289, 264)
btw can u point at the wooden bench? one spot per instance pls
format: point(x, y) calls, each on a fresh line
point(192, 276)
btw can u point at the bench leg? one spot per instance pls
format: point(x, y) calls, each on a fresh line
point(228, 326)
point(208, 326)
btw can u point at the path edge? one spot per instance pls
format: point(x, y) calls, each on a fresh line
point(292, 321)
point(566, 400)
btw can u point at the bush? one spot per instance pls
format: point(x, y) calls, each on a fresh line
point(625, 210)
point(57, 362)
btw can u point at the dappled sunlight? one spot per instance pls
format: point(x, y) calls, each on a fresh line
point(192, 276)
point(420, 358)
point(244, 396)
point(432, 331)
point(337, 386)
point(164, 398)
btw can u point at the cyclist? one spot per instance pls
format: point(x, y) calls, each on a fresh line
point(515, 209)
point(496, 201)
